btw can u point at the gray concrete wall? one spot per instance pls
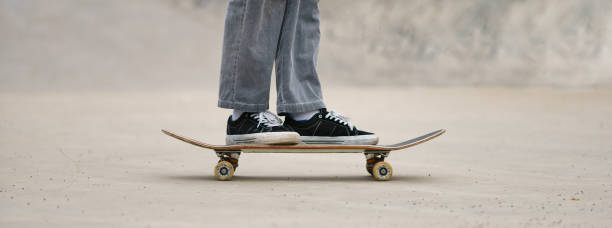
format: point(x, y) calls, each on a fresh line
point(499, 42)
point(115, 44)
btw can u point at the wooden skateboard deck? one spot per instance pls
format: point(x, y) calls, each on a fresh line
point(308, 148)
point(375, 154)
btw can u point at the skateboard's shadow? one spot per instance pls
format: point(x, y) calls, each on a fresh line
point(361, 178)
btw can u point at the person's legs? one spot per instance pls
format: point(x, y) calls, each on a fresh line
point(252, 30)
point(259, 33)
point(297, 81)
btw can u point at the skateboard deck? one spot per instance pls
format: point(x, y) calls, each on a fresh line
point(375, 154)
point(308, 148)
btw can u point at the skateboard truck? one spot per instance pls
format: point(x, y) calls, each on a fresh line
point(376, 165)
point(227, 165)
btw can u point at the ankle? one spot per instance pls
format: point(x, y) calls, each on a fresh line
point(303, 116)
point(236, 114)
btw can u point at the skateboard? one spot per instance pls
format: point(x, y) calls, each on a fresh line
point(375, 154)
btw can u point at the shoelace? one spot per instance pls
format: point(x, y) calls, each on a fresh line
point(336, 116)
point(267, 118)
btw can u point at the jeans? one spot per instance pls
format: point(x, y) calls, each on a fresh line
point(260, 34)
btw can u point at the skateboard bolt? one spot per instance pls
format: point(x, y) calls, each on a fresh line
point(383, 171)
point(223, 171)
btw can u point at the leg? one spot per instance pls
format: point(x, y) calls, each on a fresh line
point(297, 82)
point(252, 30)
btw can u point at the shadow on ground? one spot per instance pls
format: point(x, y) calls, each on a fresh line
point(361, 178)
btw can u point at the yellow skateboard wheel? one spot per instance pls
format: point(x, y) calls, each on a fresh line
point(382, 171)
point(224, 171)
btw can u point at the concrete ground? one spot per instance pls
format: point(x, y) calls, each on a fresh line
point(511, 157)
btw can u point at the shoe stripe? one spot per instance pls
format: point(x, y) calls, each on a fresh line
point(243, 140)
point(316, 128)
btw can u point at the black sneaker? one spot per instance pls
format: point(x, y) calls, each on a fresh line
point(330, 128)
point(259, 128)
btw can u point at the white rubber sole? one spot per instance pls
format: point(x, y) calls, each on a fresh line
point(264, 138)
point(344, 140)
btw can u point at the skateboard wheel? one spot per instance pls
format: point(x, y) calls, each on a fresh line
point(224, 171)
point(382, 171)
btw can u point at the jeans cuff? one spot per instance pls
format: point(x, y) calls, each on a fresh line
point(242, 106)
point(299, 107)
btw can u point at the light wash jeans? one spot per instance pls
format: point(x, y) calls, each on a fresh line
point(260, 34)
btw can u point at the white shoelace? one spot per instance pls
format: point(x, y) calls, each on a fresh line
point(336, 116)
point(267, 118)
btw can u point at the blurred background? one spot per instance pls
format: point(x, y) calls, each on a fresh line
point(523, 87)
point(115, 44)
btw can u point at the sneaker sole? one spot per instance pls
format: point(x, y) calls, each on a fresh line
point(274, 138)
point(344, 140)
